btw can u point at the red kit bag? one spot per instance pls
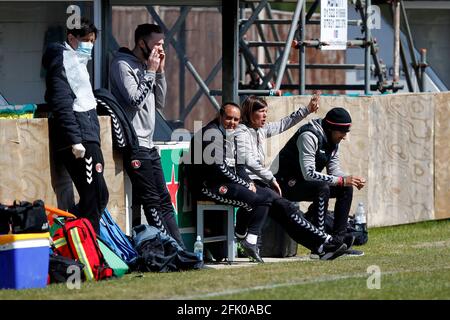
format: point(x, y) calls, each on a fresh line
point(76, 239)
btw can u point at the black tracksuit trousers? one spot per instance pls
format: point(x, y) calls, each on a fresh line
point(254, 208)
point(287, 215)
point(87, 175)
point(150, 190)
point(320, 193)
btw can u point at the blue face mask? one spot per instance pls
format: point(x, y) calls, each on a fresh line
point(85, 48)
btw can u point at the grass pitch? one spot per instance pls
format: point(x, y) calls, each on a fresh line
point(413, 260)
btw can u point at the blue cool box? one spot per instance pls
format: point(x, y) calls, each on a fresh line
point(24, 260)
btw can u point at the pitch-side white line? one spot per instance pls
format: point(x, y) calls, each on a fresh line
point(300, 282)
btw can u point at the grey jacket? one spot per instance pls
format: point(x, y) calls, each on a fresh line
point(251, 143)
point(139, 92)
point(307, 144)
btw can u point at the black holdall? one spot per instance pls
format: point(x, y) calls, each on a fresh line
point(23, 217)
point(61, 268)
point(5, 220)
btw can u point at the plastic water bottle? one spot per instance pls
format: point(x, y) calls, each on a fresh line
point(198, 248)
point(360, 218)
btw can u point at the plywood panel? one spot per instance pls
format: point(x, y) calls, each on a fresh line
point(28, 170)
point(24, 160)
point(399, 142)
point(442, 156)
point(114, 175)
point(401, 159)
point(353, 152)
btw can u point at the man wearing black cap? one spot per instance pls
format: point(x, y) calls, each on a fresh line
point(312, 148)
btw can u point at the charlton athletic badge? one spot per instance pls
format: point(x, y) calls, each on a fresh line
point(136, 164)
point(292, 182)
point(223, 190)
point(99, 167)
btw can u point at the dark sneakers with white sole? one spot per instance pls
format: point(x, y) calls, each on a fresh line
point(330, 250)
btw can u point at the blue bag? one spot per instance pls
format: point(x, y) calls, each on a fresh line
point(115, 239)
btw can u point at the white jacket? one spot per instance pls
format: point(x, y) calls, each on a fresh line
point(251, 143)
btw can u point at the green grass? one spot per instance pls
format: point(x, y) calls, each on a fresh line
point(414, 261)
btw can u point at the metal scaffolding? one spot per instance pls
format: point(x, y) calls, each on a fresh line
point(271, 72)
point(238, 58)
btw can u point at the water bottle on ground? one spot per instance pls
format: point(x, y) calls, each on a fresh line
point(360, 218)
point(198, 248)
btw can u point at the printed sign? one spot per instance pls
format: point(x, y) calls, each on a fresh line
point(333, 24)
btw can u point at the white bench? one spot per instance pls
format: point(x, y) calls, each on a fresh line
point(203, 206)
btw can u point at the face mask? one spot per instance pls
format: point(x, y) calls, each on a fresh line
point(85, 48)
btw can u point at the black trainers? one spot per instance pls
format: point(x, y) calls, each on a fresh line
point(354, 253)
point(240, 237)
point(330, 250)
point(349, 240)
point(251, 250)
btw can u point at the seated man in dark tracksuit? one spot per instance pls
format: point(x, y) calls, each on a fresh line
point(214, 173)
point(74, 126)
point(313, 148)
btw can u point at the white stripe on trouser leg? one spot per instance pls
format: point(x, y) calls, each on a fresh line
point(88, 169)
point(221, 199)
point(306, 225)
point(321, 214)
point(158, 222)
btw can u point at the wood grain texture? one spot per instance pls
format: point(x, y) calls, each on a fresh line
point(353, 151)
point(442, 156)
point(401, 159)
point(114, 174)
point(24, 160)
point(29, 172)
point(398, 142)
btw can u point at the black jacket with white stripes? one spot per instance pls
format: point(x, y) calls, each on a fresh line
point(124, 135)
point(307, 153)
point(208, 162)
point(67, 125)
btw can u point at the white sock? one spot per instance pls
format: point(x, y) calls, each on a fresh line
point(241, 236)
point(251, 238)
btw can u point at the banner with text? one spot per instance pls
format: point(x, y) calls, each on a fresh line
point(333, 24)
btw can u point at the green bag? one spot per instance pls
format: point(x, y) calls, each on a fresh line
point(118, 265)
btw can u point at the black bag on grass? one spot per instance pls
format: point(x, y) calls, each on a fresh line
point(359, 231)
point(23, 217)
point(275, 241)
point(58, 269)
point(5, 219)
point(159, 252)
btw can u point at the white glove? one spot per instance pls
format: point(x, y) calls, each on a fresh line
point(78, 150)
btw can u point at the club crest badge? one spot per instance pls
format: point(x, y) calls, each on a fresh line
point(292, 182)
point(223, 190)
point(136, 164)
point(99, 167)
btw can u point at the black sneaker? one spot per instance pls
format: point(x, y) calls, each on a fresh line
point(349, 240)
point(332, 249)
point(251, 250)
point(240, 237)
point(354, 253)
